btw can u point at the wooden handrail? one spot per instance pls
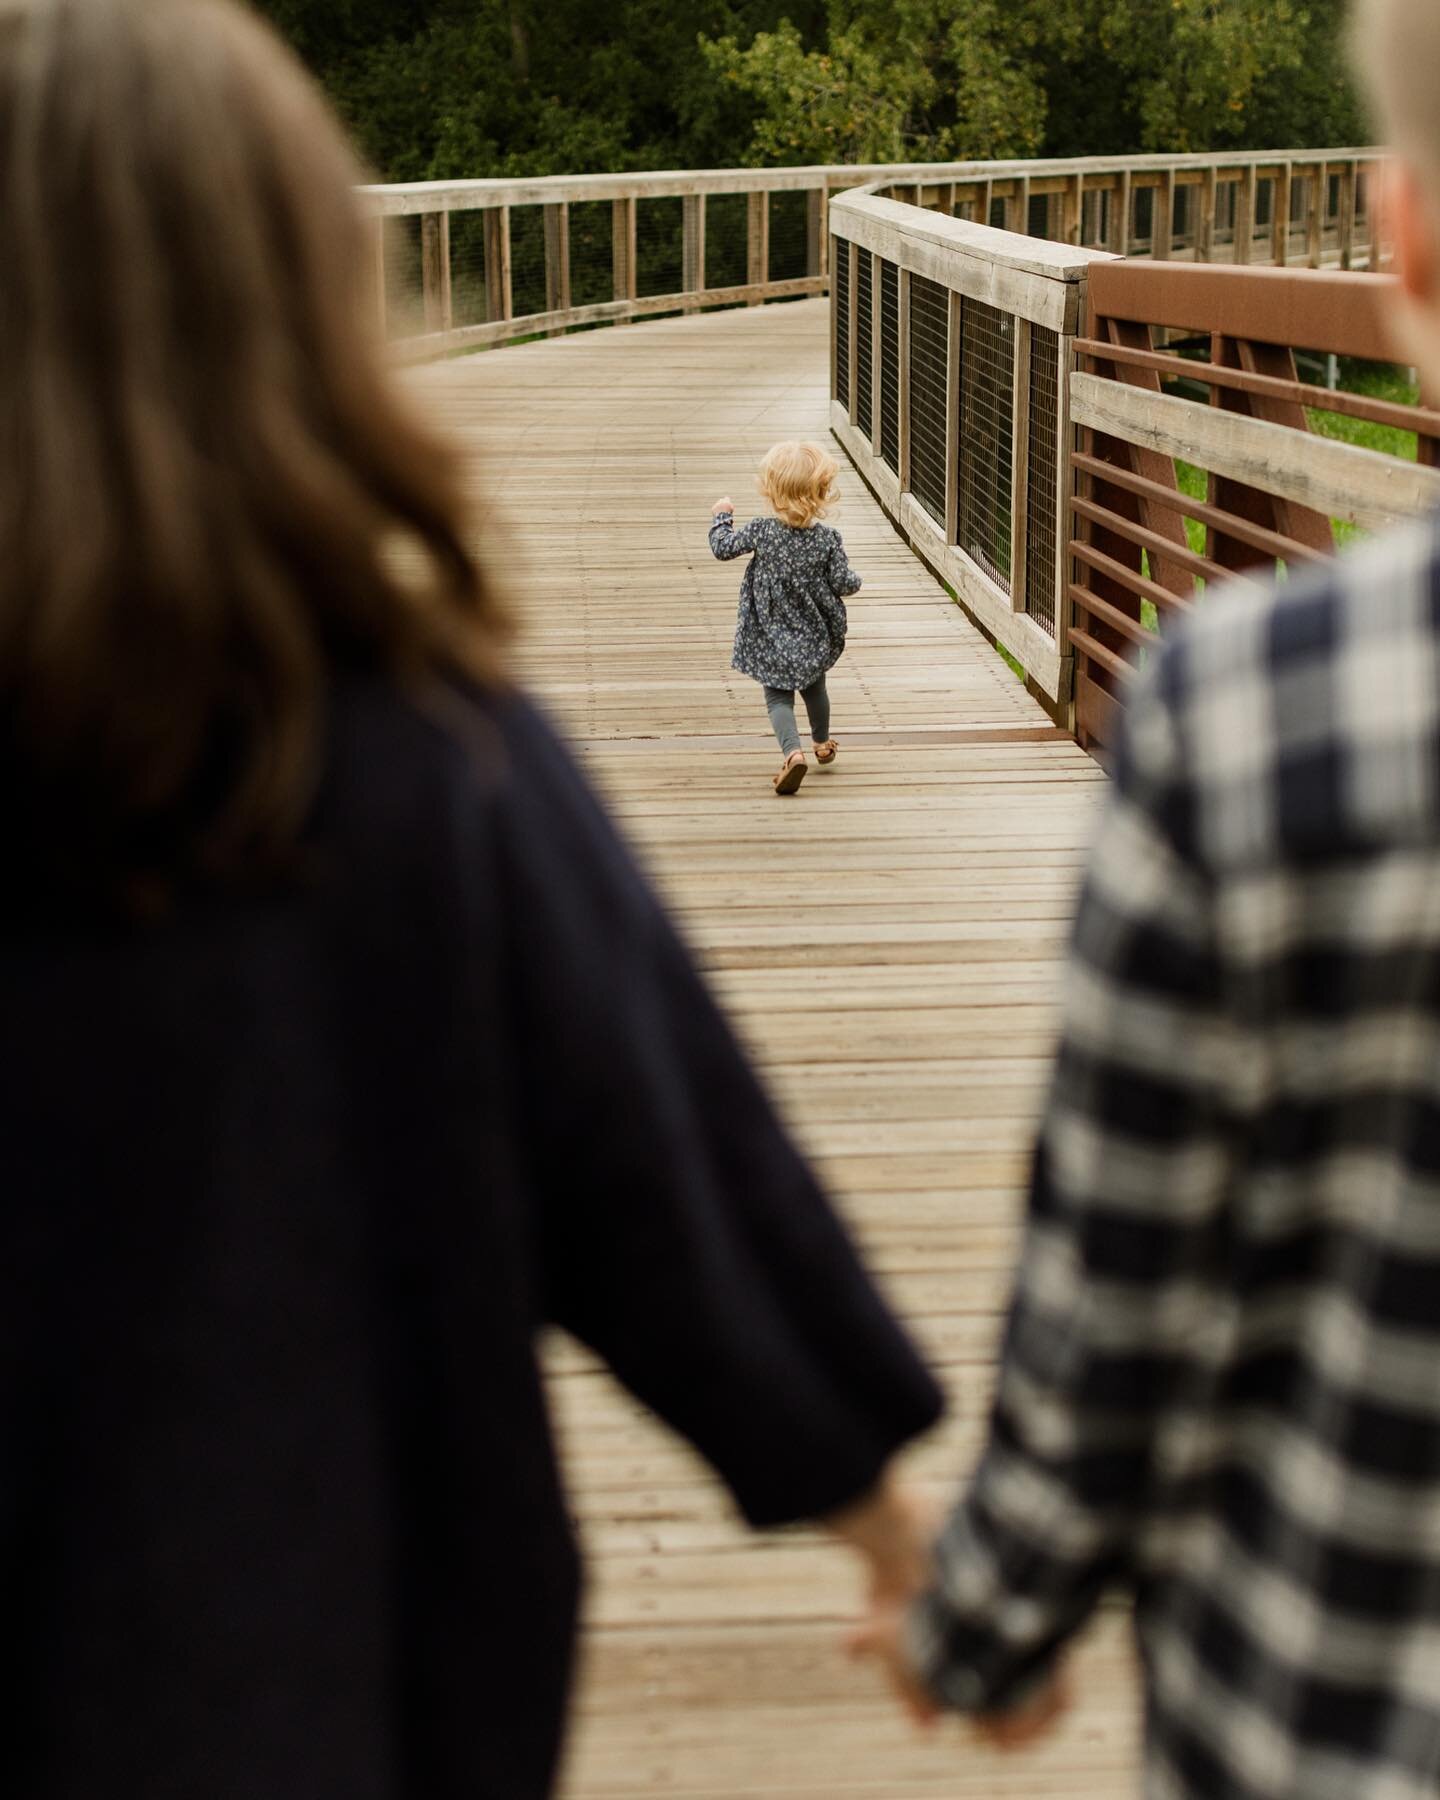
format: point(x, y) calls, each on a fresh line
point(1313, 309)
point(1243, 381)
point(537, 190)
point(1091, 202)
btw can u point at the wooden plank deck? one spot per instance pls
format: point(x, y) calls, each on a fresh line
point(887, 944)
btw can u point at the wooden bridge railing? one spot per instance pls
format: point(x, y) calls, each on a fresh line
point(951, 345)
point(466, 264)
point(1079, 442)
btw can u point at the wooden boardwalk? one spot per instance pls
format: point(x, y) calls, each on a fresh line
point(887, 944)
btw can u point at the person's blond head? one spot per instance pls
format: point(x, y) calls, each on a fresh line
point(799, 482)
point(1397, 46)
point(213, 495)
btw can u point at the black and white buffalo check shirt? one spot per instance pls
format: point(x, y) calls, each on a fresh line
point(1221, 1382)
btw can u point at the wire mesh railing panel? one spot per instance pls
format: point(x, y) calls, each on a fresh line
point(468, 305)
point(864, 341)
point(789, 235)
point(592, 263)
point(840, 302)
point(726, 240)
point(1183, 224)
point(1146, 215)
point(987, 406)
point(404, 287)
point(1042, 477)
point(527, 261)
point(929, 385)
point(890, 365)
point(659, 238)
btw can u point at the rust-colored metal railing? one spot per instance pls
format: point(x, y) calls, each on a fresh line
point(1196, 460)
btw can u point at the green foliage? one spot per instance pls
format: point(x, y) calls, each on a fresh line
point(445, 88)
point(1199, 63)
point(843, 103)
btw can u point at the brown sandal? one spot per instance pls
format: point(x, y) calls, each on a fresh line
point(826, 752)
point(794, 772)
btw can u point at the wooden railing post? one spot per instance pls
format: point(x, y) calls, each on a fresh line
point(1348, 181)
point(1022, 203)
point(1065, 443)
point(692, 254)
point(1073, 210)
point(877, 318)
point(1372, 217)
point(1319, 198)
point(852, 360)
point(435, 271)
point(952, 422)
point(903, 358)
point(757, 258)
point(1245, 215)
point(1164, 239)
point(1205, 234)
point(557, 257)
point(622, 249)
point(377, 267)
point(1020, 466)
point(499, 294)
point(817, 231)
point(1280, 224)
point(1122, 227)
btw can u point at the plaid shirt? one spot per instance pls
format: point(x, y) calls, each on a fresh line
point(1220, 1389)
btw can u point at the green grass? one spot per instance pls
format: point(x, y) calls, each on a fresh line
point(1379, 381)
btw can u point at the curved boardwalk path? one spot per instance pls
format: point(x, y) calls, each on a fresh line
point(886, 942)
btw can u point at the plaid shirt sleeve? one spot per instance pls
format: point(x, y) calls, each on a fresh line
point(1116, 1297)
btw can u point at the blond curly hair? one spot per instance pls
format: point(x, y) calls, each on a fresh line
point(799, 481)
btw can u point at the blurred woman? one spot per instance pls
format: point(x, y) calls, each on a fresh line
point(341, 1047)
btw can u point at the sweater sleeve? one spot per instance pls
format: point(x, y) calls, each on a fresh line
point(726, 542)
point(843, 579)
point(680, 1234)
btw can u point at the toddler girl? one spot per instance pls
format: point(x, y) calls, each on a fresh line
point(791, 627)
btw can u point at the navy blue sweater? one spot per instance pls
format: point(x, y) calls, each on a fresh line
point(290, 1188)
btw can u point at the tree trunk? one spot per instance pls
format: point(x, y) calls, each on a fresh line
point(519, 40)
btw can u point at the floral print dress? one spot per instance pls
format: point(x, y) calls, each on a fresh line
point(791, 626)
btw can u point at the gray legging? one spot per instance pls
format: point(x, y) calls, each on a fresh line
point(780, 704)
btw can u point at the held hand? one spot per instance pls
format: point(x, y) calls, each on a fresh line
point(722, 506)
point(882, 1639)
point(1027, 1724)
point(893, 1532)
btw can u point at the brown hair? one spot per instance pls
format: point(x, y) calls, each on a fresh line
point(799, 482)
point(213, 493)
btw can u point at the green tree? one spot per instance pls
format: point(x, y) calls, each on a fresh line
point(447, 88)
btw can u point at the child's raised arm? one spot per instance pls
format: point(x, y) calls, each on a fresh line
point(725, 540)
point(843, 579)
